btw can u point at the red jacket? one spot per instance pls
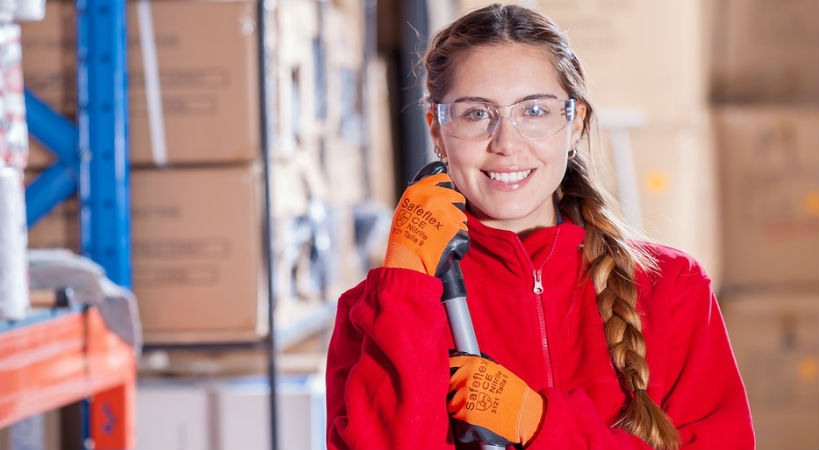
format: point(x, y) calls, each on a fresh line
point(388, 372)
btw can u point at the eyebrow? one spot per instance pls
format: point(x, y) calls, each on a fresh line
point(486, 100)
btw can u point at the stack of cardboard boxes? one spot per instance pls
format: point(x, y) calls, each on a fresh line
point(765, 87)
point(197, 77)
point(195, 178)
point(195, 127)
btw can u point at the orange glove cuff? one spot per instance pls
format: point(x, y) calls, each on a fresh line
point(486, 394)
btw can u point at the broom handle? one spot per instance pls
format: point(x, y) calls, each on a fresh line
point(460, 322)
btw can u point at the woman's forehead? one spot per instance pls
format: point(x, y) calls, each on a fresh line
point(503, 73)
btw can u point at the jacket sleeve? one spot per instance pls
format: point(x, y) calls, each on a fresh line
point(387, 365)
point(705, 395)
point(694, 378)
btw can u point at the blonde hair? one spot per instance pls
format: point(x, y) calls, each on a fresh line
point(612, 258)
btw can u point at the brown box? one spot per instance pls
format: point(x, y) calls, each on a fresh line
point(765, 51)
point(380, 153)
point(674, 178)
point(769, 170)
point(344, 173)
point(38, 431)
point(207, 59)
point(775, 337)
point(639, 55)
point(58, 229)
point(197, 254)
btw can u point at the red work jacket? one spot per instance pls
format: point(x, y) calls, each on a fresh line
point(535, 312)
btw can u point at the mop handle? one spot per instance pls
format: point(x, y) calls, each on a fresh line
point(460, 322)
point(457, 311)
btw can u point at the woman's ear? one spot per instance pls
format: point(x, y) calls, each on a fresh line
point(577, 122)
point(434, 127)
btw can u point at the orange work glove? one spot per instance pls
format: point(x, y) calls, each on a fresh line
point(490, 404)
point(429, 226)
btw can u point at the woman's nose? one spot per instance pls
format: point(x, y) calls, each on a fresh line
point(505, 139)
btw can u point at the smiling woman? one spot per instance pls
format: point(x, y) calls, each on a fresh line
point(596, 340)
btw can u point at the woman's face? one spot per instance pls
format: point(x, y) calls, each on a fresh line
point(508, 180)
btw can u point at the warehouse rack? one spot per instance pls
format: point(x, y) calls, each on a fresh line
point(92, 160)
point(55, 358)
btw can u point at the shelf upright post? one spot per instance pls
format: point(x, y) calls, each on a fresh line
point(102, 106)
point(104, 184)
point(268, 125)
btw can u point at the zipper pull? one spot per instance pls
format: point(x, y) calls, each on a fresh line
point(538, 288)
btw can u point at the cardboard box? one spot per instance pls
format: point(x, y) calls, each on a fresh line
point(299, 76)
point(342, 37)
point(380, 151)
point(768, 166)
point(343, 168)
point(230, 413)
point(41, 431)
point(775, 337)
point(668, 189)
point(207, 67)
point(171, 415)
point(765, 51)
point(60, 228)
point(242, 413)
point(639, 55)
point(197, 254)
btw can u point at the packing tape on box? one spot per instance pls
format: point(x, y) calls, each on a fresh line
point(153, 92)
point(14, 299)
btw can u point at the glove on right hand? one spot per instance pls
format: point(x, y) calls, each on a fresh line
point(428, 227)
point(490, 404)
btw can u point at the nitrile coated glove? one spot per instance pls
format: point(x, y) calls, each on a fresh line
point(429, 227)
point(490, 404)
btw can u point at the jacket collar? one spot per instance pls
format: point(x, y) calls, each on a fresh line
point(538, 249)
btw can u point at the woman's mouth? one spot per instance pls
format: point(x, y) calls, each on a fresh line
point(509, 177)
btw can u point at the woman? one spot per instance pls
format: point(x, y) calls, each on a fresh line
point(596, 341)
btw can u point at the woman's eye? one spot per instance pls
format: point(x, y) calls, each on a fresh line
point(476, 114)
point(536, 111)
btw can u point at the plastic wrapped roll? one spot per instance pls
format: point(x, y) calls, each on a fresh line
point(27, 10)
point(14, 301)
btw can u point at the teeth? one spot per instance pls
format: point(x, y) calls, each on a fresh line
point(509, 177)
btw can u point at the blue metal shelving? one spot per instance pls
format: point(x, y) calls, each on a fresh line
point(93, 154)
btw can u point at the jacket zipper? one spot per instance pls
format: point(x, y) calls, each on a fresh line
point(537, 289)
point(541, 317)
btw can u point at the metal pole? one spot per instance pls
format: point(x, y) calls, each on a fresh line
point(412, 127)
point(266, 100)
point(102, 117)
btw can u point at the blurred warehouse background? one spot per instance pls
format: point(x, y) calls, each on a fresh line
point(708, 124)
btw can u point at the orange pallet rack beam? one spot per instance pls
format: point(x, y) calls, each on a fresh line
point(61, 360)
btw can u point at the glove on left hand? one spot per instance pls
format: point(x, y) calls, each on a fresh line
point(491, 404)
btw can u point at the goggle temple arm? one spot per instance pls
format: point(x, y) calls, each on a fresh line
point(570, 109)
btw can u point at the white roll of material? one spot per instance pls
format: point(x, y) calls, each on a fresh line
point(7, 8)
point(14, 300)
point(29, 10)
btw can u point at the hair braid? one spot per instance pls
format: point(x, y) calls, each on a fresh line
point(612, 265)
